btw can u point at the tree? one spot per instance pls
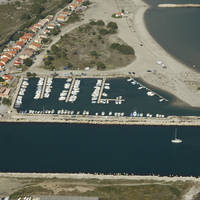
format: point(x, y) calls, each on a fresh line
point(103, 31)
point(28, 62)
point(1, 79)
point(6, 101)
point(101, 66)
point(112, 25)
point(100, 23)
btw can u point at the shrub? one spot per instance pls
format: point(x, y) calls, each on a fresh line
point(100, 23)
point(112, 25)
point(86, 3)
point(6, 101)
point(28, 62)
point(101, 66)
point(122, 48)
point(103, 31)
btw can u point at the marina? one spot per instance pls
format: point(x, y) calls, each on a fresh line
point(77, 96)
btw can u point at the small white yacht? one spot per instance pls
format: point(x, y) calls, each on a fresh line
point(176, 140)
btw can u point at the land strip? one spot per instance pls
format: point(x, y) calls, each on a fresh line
point(178, 5)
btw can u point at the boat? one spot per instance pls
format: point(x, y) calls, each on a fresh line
point(176, 140)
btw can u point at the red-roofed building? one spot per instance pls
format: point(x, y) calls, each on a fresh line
point(4, 60)
point(34, 46)
point(60, 18)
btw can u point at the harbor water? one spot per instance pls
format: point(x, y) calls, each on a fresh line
point(176, 30)
point(70, 148)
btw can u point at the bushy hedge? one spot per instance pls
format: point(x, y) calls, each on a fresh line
point(122, 48)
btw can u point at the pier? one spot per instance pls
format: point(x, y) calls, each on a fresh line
point(161, 97)
point(178, 5)
point(43, 89)
point(101, 90)
point(70, 90)
point(112, 99)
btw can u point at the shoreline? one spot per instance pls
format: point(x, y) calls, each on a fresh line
point(143, 121)
point(98, 176)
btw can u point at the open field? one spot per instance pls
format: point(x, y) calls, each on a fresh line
point(88, 46)
point(107, 189)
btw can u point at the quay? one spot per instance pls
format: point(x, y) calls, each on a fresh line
point(102, 120)
point(70, 89)
point(101, 90)
point(178, 5)
point(43, 89)
point(112, 99)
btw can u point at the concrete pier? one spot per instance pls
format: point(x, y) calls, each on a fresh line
point(101, 90)
point(43, 89)
point(70, 90)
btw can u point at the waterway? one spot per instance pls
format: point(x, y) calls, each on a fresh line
point(176, 30)
point(73, 148)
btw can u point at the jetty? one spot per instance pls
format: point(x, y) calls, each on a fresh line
point(70, 90)
point(43, 89)
point(101, 90)
point(170, 5)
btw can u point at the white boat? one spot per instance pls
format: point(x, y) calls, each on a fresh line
point(150, 94)
point(176, 140)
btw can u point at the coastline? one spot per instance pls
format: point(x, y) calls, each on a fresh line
point(98, 176)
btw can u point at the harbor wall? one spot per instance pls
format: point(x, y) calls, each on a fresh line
point(179, 5)
point(103, 120)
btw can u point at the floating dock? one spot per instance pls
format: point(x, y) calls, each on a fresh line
point(101, 90)
point(43, 89)
point(70, 90)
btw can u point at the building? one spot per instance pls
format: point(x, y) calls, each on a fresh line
point(4, 60)
point(51, 26)
point(72, 6)
point(61, 18)
point(4, 92)
point(35, 46)
point(20, 44)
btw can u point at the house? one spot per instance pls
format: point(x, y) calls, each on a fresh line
point(4, 92)
point(38, 26)
point(38, 40)
point(33, 29)
point(7, 77)
point(26, 54)
point(43, 36)
point(64, 13)
point(12, 52)
point(29, 35)
point(60, 18)
point(35, 46)
point(119, 14)
point(79, 1)
point(7, 55)
point(4, 60)
point(1, 64)
point(43, 22)
point(49, 18)
point(51, 26)
point(18, 62)
point(20, 44)
point(72, 6)
point(24, 39)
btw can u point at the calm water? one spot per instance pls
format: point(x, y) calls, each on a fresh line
point(177, 30)
point(90, 148)
point(135, 99)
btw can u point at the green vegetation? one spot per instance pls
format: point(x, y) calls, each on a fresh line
point(89, 46)
point(31, 75)
point(28, 62)
point(86, 3)
point(74, 17)
point(104, 189)
point(6, 101)
point(55, 31)
point(122, 48)
point(1, 79)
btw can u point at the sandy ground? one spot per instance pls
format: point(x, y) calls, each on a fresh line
point(177, 78)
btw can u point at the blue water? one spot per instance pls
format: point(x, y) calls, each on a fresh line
point(176, 30)
point(74, 148)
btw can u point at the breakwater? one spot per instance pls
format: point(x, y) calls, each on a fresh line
point(179, 5)
point(111, 120)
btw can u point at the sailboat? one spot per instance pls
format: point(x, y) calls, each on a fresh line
point(176, 140)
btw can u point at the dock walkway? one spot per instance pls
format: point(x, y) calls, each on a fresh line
point(70, 90)
point(101, 90)
point(43, 89)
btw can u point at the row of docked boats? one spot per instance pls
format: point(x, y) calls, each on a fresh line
point(39, 88)
point(21, 93)
point(63, 94)
point(136, 114)
point(75, 91)
point(48, 87)
point(149, 92)
point(96, 92)
point(41, 111)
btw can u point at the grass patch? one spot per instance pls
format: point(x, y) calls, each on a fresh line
point(89, 46)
